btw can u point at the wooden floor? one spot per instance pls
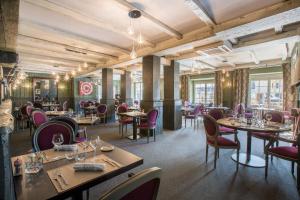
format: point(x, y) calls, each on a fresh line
point(181, 155)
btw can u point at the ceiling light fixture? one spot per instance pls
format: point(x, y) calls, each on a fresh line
point(79, 69)
point(134, 14)
point(85, 65)
point(73, 73)
point(67, 77)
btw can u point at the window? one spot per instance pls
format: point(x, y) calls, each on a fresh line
point(138, 90)
point(266, 90)
point(204, 92)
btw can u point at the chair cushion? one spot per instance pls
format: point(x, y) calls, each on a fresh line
point(145, 125)
point(127, 120)
point(226, 129)
point(225, 142)
point(290, 152)
point(262, 135)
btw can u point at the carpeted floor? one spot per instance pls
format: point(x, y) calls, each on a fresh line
point(181, 155)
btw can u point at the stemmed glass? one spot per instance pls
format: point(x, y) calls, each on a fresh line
point(57, 139)
point(268, 118)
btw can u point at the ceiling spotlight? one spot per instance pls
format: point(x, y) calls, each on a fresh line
point(133, 53)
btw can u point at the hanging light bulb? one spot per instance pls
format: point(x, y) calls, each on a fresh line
point(130, 29)
point(57, 77)
point(140, 38)
point(18, 81)
point(222, 79)
point(79, 69)
point(67, 77)
point(85, 65)
point(227, 74)
point(73, 73)
point(53, 73)
point(223, 71)
point(133, 53)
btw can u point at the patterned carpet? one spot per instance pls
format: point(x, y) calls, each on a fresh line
point(181, 155)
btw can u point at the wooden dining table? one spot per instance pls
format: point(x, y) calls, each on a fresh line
point(56, 113)
point(247, 158)
point(135, 116)
point(40, 186)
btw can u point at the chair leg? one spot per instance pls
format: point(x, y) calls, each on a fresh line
point(266, 167)
point(206, 153)
point(293, 167)
point(218, 153)
point(185, 122)
point(87, 194)
point(237, 159)
point(148, 132)
point(215, 160)
point(154, 133)
point(122, 130)
point(191, 122)
point(119, 129)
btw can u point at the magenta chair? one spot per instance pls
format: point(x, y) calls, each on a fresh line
point(150, 123)
point(216, 140)
point(42, 138)
point(38, 117)
point(192, 115)
point(218, 114)
point(123, 120)
point(277, 116)
point(141, 186)
point(101, 112)
point(289, 153)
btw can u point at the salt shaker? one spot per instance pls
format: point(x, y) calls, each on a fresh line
point(18, 167)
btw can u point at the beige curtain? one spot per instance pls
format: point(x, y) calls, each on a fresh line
point(289, 92)
point(240, 86)
point(184, 92)
point(218, 88)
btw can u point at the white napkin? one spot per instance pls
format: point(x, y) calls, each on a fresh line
point(89, 166)
point(66, 147)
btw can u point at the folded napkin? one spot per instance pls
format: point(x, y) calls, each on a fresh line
point(89, 166)
point(66, 147)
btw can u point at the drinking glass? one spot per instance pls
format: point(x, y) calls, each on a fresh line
point(80, 156)
point(268, 118)
point(57, 139)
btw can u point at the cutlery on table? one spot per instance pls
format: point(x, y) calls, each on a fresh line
point(62, 178)
point(58, 183)
point(114, 162)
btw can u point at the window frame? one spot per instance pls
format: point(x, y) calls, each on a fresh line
point(205, 82)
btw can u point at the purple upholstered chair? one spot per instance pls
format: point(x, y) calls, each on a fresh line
point(143, 185)
point(80, 135)
point(218, 114)
point(193, 115)
point(24, 114)
point(123, 120)
point(216, 140)
point(290, 153)
point(42, 138)
point(101, 112)
point(277, 116)
point(65, 106)
point(239, 109)
point(150, 123)
point(38, 117)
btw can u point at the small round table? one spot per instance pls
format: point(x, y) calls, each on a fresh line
point(247, 158)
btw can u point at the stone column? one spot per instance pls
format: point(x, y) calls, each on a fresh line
point(107, 93)
point(151, 88)
point(172, 102)
point(126, 88)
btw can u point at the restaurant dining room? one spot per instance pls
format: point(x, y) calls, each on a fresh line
point(149, 99)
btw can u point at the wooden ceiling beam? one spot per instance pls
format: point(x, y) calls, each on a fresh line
point(30, 26)
point(162, 26)
point(200, 12)
point(84, 18)
point(63, 48)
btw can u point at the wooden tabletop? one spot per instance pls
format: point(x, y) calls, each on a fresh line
point(40, 187)
point(50, 104)
point(236, 124)
point(86, 120)
point(56, 113)
point(134, 114)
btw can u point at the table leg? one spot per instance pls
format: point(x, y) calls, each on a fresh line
point(135, 136)
point(247, 158)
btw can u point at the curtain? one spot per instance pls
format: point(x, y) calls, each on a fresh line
point(218, 88)
point(184, 92)
point(240, 86)
point(289, 92)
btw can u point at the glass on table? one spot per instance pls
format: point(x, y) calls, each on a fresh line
point(71, 154)
point(57, 139)
point(268, 118)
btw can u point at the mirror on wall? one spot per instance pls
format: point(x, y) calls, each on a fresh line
point(44, 90)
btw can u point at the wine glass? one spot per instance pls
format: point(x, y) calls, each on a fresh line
point(57, 139)
point(268, 117)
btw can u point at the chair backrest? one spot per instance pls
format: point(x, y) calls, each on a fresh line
point(186, 103)
point(197, 110)
point(152, 116)
point(136, 102)
point(42, 138)
point(37, 105)
point(125, 105)
point(71, 122)
point(38, 117)
point(277, 116)
point(101, 109)
point(216, 113)
point(211, 127)
point(23, 110)
point(121, 109)
point(65, 106)
point(81, 103)
point(29, 110)
point(143, 185)
point(29, 103)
